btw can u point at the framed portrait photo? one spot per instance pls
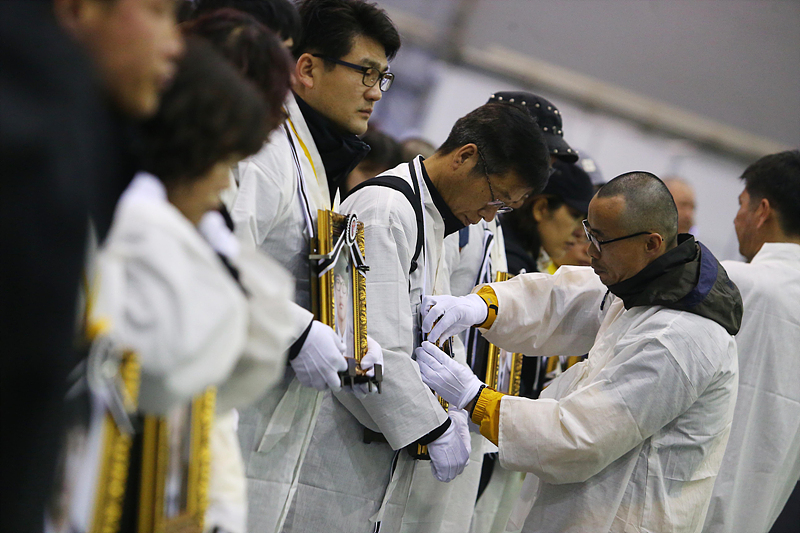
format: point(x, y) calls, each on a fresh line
point(113, 375)
point(341, 289)
point(503, 369)
point(176, 467)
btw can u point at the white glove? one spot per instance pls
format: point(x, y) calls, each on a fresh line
point(450, 379)
point(450, 452)
point(454, 315)
point(374, 356)
point(320, 359)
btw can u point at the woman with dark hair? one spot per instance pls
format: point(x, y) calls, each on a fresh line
point(254, 49)
point(542, 229)
point(539, 232)
point(175, 286)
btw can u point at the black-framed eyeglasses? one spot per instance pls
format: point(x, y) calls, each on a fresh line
point(499, 204)
point(371, 75)
point(597, 243)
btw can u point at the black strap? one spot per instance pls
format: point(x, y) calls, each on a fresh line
point(413, 197)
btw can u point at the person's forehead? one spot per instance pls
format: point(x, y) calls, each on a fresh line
point(604, 214)
point(368, 52)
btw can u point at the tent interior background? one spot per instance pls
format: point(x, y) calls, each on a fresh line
point(697, 88)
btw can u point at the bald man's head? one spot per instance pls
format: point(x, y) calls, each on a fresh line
point(649, 206)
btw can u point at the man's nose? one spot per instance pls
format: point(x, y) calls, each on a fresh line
point(374, 93)
point(488, 212)
point(593, 251)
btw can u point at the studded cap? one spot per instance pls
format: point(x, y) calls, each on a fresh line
point(547, 115)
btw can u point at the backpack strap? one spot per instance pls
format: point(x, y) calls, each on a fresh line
point(401, 185)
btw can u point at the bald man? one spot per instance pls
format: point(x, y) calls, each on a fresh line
point(632, 438)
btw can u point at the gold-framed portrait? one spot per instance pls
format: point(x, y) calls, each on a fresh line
point(97, 452)
point(341, 290)
point(176, 462)
point(503, 368)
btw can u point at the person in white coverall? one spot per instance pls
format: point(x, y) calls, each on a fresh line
point(762, 462)
point(493, 156)
point(632, 438)
point(174, 285)
point(340, 73)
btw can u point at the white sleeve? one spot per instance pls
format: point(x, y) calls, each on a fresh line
point(654, 375)
point(547, 314)
point(186, 318)
point(266, 191)
point(272, 329)
point(406, 410)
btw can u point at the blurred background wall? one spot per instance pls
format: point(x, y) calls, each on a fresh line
point(695, 88)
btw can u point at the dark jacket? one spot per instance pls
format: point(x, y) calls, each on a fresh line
point(687, 278)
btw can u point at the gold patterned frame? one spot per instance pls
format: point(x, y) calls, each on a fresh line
point(155, 460)
point(493, 361)
point(330, 227)
point(115, 455)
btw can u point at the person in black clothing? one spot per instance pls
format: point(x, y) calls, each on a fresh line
point(51, 126)
point(64, 158)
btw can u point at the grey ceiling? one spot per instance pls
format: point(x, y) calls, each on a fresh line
point(735, 61)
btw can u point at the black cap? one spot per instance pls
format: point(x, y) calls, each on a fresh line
point(572, 184)
point(547, 115)
point(589, 165)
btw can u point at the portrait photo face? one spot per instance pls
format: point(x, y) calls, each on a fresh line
point(504, 371)
point(343, 301)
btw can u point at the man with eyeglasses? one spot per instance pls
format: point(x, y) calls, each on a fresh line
point(340, 73)
point(630, 439)
point(493, 157)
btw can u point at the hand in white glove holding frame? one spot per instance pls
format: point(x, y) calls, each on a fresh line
point(374, 356)
point(320, 359)
point(450, 379)
point(445, 316)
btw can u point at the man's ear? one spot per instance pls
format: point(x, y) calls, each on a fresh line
point(763, 212)
point(304, 71)
point(653, 243)
point(463, 154)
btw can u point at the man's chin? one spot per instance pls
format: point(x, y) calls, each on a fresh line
point(602, 274)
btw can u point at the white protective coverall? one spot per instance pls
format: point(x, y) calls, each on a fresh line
point(630, 439)
point(344, 483)
point(168, 295)
point(762, 462)
point(275, 210)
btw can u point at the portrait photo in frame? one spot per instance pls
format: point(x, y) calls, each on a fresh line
point(98, 441)
point(503, 368)
point(341, 291)
point(176, 467)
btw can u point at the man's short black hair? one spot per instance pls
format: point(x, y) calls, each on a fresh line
point(508, 139)
point(328, 27)
point(649, 205)
point(280, 16)
point(254, 49)
point(776, 177)
point(209, 113)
